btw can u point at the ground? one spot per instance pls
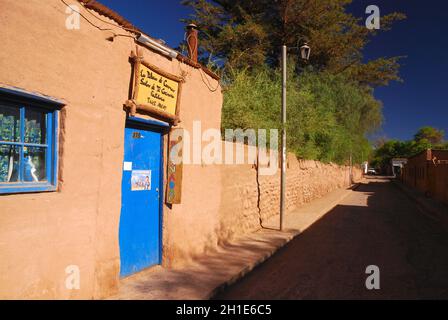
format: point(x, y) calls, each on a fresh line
point(376, 224)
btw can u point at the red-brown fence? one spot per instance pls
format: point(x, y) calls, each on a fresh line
point(429, 177)
point(438, 181)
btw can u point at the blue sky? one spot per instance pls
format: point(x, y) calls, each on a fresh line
point(423, 37)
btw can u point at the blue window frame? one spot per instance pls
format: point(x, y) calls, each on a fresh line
point(28, 141)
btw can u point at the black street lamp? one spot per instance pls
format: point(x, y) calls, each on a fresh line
point(305, 51)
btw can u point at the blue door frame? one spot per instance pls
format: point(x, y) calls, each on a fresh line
point(140, 248)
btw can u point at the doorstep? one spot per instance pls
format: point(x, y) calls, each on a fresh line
point(214, 271)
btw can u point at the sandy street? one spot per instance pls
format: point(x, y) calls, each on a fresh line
point(376, 225)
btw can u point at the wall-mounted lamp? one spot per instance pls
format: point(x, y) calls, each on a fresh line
point(157, 46)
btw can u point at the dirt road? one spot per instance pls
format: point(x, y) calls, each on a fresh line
point(376, 225)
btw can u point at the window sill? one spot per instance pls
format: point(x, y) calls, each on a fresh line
point(26, 188)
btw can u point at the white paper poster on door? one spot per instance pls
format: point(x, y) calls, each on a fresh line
point(141, 180)
point(127, 166)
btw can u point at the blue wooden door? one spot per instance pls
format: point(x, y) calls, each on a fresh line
point(139, 234)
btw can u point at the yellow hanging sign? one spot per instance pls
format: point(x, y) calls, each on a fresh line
point(157, 90)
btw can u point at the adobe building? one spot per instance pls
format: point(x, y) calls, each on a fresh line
point(85, 119)
point(428, 173)
point(90, 108)
point(397, 165)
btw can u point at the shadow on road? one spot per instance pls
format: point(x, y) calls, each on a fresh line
point(375, 225)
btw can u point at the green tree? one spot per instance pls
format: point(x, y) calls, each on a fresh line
point(425, 138)
point(328, 115)
point(331, 107)
point(431, 134)
point(249, 33)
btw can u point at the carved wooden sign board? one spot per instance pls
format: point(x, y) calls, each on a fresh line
point(155, 91)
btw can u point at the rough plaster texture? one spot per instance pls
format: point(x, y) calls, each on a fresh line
point(248, 201)
point(43, 233)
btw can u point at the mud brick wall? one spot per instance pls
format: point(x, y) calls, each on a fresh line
point(438, 181)
point(428, 173)
point(246, 198)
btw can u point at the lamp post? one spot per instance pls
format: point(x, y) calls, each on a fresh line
point(305, 51)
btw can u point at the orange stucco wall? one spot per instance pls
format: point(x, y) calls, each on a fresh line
point(42, 233)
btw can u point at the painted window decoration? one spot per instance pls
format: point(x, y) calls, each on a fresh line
point(27, 148)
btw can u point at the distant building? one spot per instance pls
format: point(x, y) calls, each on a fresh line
point(365, 167)
point(428, 173)
point(397, 165)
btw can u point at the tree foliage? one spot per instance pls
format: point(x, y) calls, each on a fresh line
point(331, 107)
point(328, 116)
point(426, 138)
point(248, 33)
point(433, 135)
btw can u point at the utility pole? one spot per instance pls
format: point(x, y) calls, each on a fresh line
point(305, 51)
point(351, 169)
point(283, 158)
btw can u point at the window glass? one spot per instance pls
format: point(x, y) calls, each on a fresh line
point(9, 124)
point(34, 164)
point(9, 163)
point(28, 143)
point(35, 126)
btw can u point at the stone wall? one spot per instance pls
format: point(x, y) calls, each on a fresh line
point(224, 201)
point(247, 200)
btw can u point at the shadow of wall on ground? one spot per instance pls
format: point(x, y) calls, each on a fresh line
point(377, 225)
